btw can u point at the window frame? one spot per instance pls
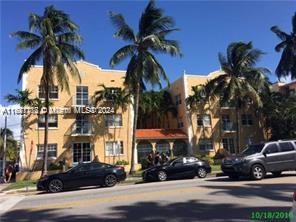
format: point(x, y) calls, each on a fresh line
point(39, 154)
point(52, 91)
point(284, 151)
point(206, 144)
point(107, 120)
point(41, 125)
point(114, 148)
point(247, 120)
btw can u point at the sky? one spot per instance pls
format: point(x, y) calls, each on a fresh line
point(206, 28)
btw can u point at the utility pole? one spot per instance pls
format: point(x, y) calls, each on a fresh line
point(4, 149)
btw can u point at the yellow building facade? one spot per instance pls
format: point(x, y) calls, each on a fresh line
point(83, 137)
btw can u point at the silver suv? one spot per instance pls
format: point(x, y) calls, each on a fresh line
point(258, 159)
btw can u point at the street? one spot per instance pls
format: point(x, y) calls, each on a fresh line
point(210, 199)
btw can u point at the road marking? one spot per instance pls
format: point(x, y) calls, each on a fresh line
point(126, 197)
point(9, 203)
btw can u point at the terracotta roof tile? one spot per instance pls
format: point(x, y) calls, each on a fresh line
point(160, 134)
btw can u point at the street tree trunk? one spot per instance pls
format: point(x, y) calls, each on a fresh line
point(46, 89)
point(237, 130)
point(136, 105)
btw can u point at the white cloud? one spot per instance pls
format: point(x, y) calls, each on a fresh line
point(13, 121)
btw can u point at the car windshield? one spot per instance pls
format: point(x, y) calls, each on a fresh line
point(252, 149)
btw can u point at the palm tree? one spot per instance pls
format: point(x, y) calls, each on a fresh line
point(143, 66)
point(241, 79)
point(198, 97)
point(22, 97)
point(287, 63)
point(11, 148)
point(54, 38)
point(119, 99)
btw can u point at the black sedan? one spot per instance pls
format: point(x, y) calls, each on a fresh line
point(85, 174)
point(183, 167)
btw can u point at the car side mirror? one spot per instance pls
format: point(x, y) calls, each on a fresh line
point(265, 154)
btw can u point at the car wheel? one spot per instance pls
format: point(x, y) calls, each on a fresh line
point(201, 172)
point(55, 186)
point(110, 180)
point(162, 176)
point(258, 172)
point(277, 173)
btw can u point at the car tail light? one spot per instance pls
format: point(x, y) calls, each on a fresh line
point(294, 196)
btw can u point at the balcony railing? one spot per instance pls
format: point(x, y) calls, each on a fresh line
point(228, 127)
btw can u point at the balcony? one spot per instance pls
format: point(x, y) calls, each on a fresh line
point(228, 127)
point(84, 129)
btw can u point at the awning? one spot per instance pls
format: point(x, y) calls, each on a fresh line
point(160, 134)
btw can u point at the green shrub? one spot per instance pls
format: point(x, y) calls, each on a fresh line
point(122, 162)
point(54, 166)
point(205, 157)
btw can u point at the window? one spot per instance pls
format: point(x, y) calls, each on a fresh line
point(144, 149)
point(82, 125)
point(286, 147)
point(51, 150)
point(180, 123)
point(96, 166)
point(190, 159)
point(113, 120)
point(81, 95)
point(163, 147)
point(83, 168)
point(52, 121)
point(247, 120)
point(178, 100)
point(227, 124)
point(205, 145)
point(53, 92)
point(81, 152)
point(114, 148)
point(204, 120)
point(271, 148)
point(228, 144)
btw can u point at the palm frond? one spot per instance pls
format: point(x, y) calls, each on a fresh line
point(122, 53)
point(123, 29)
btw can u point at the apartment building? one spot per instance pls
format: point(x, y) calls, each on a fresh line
point(213, 126)
point(83, 137)
point(285, 88)
point(77, 135)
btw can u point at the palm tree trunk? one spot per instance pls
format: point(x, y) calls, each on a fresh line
point(237, 130)
point(45, 145)
point(136, 105)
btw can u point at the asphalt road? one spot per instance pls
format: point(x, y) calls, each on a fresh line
point(211, 199)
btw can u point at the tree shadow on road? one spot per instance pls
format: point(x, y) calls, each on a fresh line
point(269, 191)
point(146, 211)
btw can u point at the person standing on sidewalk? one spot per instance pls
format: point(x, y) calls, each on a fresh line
point(8, 173)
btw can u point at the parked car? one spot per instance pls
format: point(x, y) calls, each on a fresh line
point(293, 212)
point(183, 167)
point(85, 174)
point(258, 159)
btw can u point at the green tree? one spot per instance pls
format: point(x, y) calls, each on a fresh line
point(240, 81)
point(11, 145)
point(279, 112)
point(287, 63)
point(54, 38)
point(22, 97)
point(143, 66)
